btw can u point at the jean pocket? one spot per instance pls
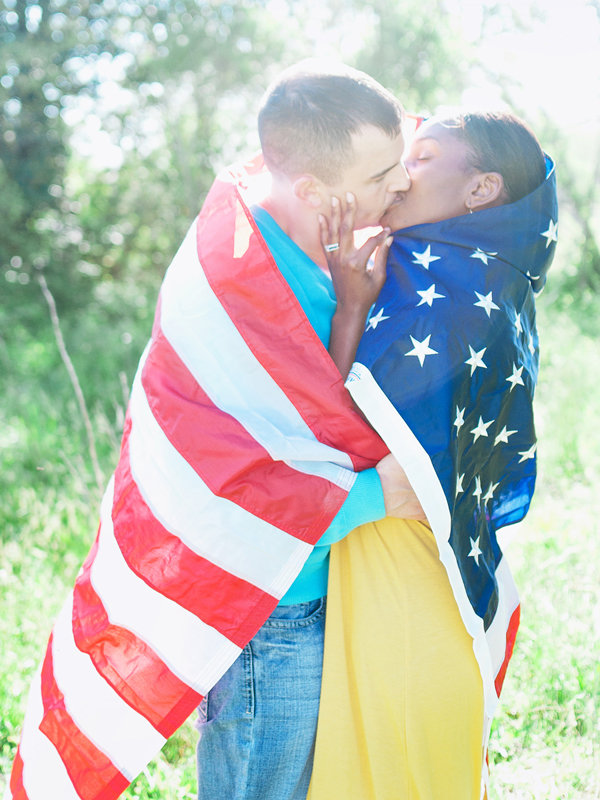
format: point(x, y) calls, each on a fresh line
point(232, 697)
point(203, 711)
point(297, 615)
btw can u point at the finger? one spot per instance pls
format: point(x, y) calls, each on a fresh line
point(372, 243)
point(323, 230)
point(334, 222)
point(379, 263)
point(381, 256)
point(347, 224)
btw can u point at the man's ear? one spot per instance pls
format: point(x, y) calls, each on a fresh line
point(310, 190)
point(486, 192)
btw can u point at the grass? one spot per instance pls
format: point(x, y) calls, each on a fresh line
point(545, 741)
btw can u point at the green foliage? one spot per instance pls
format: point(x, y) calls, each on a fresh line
point(175, 66)
point(545, 740)
point(408, 48)
point(545, 737)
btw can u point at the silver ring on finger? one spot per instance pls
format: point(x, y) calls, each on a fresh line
point(331, 248)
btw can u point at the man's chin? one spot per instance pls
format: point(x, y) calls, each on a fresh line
point(368, 224)
point(385, 219)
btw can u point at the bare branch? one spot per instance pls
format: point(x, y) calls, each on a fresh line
point(74, 379)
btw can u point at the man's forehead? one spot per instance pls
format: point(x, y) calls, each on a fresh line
point(373, 145)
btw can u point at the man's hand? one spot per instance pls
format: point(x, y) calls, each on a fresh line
point(400, 500)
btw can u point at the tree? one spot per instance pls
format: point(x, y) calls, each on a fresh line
point(416, 50)
point(180, 60)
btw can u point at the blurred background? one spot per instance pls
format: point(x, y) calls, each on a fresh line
point(114, 118)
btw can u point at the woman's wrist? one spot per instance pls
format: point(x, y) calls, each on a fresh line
point(351, 314)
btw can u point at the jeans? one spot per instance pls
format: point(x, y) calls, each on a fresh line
point(258, 724)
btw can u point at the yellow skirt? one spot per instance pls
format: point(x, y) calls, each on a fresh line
point(401, 714)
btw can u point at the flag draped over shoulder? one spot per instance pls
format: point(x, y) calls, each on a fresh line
point(240, 446)
point(445, 372)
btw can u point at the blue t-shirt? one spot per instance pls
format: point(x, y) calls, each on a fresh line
point(314, 291)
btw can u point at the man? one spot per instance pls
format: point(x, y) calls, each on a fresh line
point(324, 136)
point(241, 452)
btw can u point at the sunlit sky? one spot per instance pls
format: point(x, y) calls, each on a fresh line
point(558, 64)
point(554, 67)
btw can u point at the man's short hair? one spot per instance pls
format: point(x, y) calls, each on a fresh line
point(308, 117)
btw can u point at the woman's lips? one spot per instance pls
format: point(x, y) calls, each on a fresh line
point(399, 198)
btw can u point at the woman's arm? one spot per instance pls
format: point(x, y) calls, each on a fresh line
point(357, 285)
point(356, 282)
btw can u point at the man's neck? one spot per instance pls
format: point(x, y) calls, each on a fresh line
point(301, 226)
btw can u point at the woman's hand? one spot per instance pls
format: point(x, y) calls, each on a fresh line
point(356, 282)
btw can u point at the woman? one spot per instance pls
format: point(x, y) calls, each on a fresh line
point(422, 617)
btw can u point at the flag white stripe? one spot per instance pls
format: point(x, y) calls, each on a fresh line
point(508, 600)
point(193, 650)
point(344, 479)
point(43, 769)
point(415, 461)
point(123, 735)
point(228, 536)
point(199, 329)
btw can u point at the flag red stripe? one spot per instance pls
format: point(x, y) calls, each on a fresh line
point(16, 778)
point(126, 662)
point(231, 605)
point(227, 458)
point(88, 768)
point(511, 635)
point(336, 421)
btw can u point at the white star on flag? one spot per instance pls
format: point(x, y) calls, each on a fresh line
point(421, 349)
point(374, 321)
point(481, 429)
point(475, 551)
point(503, 436)
point(515, 378)
point(531, 344)
point(476, 359)
point(482, 255)
point(425, 258)
point(477, 493)
point(518, 325)
point(489, 495)
point(527, 454)
point(459, 486)
point(460, 417)
point(429, 295)
point(551, 234)
point(487, 303)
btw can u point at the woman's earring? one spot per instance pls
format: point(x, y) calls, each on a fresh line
point(469, 207)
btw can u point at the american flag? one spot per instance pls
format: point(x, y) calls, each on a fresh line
point(239, 448)
point(445, 372)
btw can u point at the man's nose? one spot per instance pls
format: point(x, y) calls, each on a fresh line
point(399, 179)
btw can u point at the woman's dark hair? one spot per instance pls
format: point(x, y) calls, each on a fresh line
point(499, 141)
